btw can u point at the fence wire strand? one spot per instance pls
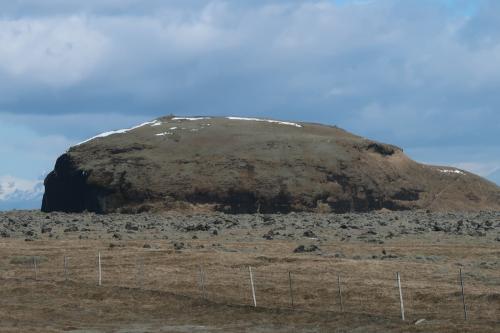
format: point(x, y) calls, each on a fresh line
point(434, 295)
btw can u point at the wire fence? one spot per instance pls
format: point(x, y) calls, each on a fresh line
point(432, 294)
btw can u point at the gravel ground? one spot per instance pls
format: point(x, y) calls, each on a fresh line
point(378, 227)
point(428, 248)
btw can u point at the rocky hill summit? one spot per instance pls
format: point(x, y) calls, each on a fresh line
point(246, 165)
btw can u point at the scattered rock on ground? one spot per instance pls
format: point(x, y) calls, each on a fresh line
point(306, 248)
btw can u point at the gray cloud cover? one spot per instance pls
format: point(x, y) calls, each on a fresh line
point(420, 74)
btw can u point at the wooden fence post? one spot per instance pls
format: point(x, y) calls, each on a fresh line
point(35, 268)
point(140, 273)
point(400, 297)
point(253, 287)
point(65, 268)
point(463, 295)
point(202, 282)
point(291, 288)
point(99, 273)
point(340, 294)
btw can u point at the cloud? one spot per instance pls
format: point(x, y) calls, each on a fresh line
point(19, 193)
point(35, 8)
point(70, 126)
point(482, 160)
point(13, 188)
point(227, 53)
point(26, 153)
point(420, 74)
point(30, 144)
point(57, 52)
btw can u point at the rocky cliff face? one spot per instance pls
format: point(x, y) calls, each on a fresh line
point(240, 165)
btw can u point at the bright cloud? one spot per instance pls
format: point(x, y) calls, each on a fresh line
point(422, 75)
point(54, 51)
point(13, 188)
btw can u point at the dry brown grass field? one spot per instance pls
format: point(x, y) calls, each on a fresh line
point(158, 288)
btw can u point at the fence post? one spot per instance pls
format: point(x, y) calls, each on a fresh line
point(202, 282)
point(65, 268)
point(253, 287)
point(463, 295)
point(140, 273)
point(402, 307)
point(340, 294)
point(35, 268)
point(99, 273)
point(291, 288)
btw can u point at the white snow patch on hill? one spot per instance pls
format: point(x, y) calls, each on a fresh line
point(241, 118)
point(266, 120)
point(163, 134)
point(190, 118)
point(153, 123)
point(452, 171)
point(121, 131)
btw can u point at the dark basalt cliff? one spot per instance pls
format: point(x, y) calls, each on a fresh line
point(247, 166)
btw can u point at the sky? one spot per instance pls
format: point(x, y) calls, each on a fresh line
point(420, 74)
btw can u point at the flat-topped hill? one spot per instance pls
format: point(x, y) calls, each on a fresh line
point(244, 165)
